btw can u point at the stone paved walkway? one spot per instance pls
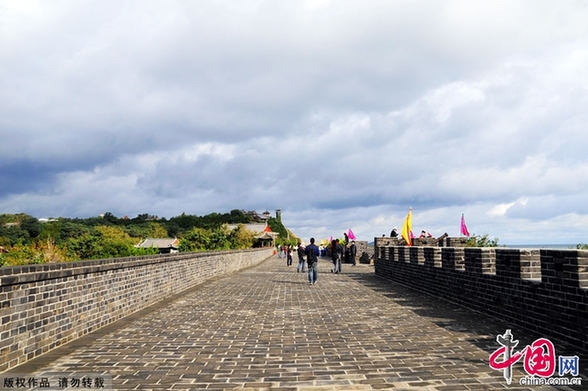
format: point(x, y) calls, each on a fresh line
point(265, 327)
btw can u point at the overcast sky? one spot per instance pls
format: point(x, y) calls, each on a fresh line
point(343, 114)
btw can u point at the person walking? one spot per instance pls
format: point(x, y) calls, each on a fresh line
point(333, 252)
point(336, 255)
point(301, 254)
point(289, 255)
point(312, 253)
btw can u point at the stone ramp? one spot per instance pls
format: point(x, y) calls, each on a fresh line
point(265, 327)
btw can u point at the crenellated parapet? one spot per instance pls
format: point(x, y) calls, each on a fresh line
point(542, 290)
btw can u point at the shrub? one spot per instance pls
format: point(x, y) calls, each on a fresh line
point(481, 241)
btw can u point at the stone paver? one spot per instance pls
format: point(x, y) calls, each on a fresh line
point(265, 327)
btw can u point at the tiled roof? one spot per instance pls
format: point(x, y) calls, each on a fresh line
point(159, 243)
point(260, 230)
point(255, 228)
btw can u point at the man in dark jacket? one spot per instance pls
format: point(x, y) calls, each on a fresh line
point(312, 253)
point(352, 252)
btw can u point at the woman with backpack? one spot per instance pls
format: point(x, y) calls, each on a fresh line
point(336, 255)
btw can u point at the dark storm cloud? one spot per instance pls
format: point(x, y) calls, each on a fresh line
point(26, 176)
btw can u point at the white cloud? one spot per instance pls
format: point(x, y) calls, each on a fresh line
point(500, 210)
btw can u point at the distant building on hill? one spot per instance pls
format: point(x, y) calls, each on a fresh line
point(262, 232)
point(261, 217)
point(165, 245)
point(46, 220)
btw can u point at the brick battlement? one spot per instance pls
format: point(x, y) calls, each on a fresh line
point(45, 306)
point(545, 291)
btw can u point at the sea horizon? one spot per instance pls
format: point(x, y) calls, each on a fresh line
point(542, 246)
point(557, 246)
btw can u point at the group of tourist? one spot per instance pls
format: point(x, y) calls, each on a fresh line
point(424, 234)
point(308, 256)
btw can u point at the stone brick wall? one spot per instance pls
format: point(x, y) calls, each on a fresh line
point(541, 290)
point(45, 306)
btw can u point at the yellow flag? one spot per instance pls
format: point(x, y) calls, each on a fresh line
point(407, 228)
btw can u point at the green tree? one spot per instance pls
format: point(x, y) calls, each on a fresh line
point(182, 223)
point(277, 226)
point(202, 239)
point(70, 230)
point(103, 242)
point(86, 246)
point(31, 225)
point(481, 241)
point(12, 236)
point(241, 237)
point(238, 217)
point(19, 255)
point(149, 229)
point(196, 239)
point(218, 240)
point(110, 218)
point(50, 230)
point(114, 242)
point(173, 229)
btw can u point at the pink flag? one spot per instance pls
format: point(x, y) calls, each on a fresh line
point(464, 228)
point(350, 234)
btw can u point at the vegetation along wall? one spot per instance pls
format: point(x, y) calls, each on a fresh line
point(45, 306)
point(542, 290)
